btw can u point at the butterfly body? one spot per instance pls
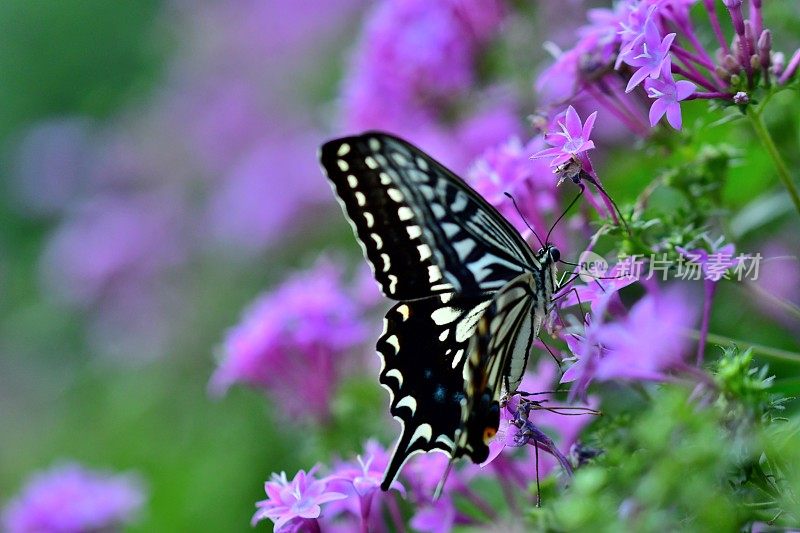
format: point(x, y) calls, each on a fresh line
point(471, 294)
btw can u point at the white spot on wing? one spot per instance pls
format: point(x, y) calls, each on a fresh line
point(352, 181)
point(392, 282)
point(385, 179)
point(444, 315)
point(422, 164)
point(343, 166)
point(408, 401)
point(424, 251)
point(387, 264)
point(399, 158)
point(396, 374)
point(343, 149)
point(405, 213)
point(414, 231)
point(377, 239)
point(424, 432)
point(374, 145)
point(392, 340)
point(361, 199)
point(404, 311)
point(371, 163)
point(434, 273)
point(394, 194)
point(443, 335)
point(369, 218)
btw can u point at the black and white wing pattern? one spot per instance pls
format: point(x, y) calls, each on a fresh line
point(422, 229)
point(455, 265)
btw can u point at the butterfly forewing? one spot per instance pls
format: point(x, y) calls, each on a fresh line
point(423, 230)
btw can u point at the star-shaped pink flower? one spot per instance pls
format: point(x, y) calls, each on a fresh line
point(572, 139)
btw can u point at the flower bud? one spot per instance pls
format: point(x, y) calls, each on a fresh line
point(778, 61)
point(764, 48)
point(722, 73)
point(730, 64)
point(736, 79)
point(755, 62)
point(741, 98)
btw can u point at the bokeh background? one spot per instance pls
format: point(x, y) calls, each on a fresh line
point(158, 172)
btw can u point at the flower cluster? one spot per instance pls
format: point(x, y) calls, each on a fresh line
point(415, 62)
point(69, 498)
point(612, 350)
point(654, 44)
point(351, 491)
point(308, 322)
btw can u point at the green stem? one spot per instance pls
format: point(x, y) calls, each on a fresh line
point(767, 351)
point(783, 171)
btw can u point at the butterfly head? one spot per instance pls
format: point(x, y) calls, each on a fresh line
point(548, 255)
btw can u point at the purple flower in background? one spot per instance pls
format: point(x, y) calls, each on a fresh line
point(507, 168)
point(244, 209)
point(650, 340)
point(435, 517)
point(69, 498)
point(571, 140)
point(649, 54)
point(667, 94)
point(295, 506)
point(308, 322)
point(414, 60)
point(110, 243)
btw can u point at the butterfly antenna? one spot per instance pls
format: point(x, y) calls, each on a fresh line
point(514, 201)
point(440, 486)
point(564, 213)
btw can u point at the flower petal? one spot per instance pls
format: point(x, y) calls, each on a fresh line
point(573, 122)
point(684, 89)
point(674, 115)
point(637, 78)
point(657, 111)
point(588, 125)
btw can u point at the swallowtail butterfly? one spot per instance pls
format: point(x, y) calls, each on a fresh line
point(471, 294)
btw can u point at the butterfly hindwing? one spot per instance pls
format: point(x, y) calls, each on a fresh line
point(423, 230)
point(424, 349)
point(499, 352)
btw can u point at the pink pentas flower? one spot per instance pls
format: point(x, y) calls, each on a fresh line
point(295, 505)
point(69, 498)
point(361, 481)
point(571, 139)
point(648, 54)
point(667, 94)
point(308, 322)
point(643, 345)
